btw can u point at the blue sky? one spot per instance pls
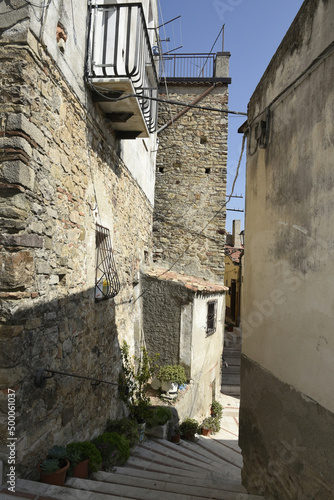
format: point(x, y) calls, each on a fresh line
point(253, 32)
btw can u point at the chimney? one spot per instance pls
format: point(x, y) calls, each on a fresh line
point(236, 233)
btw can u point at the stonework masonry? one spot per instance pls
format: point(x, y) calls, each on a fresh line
point(191, 182)
point(59, 176)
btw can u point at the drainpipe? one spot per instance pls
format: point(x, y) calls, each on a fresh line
point(185, 110)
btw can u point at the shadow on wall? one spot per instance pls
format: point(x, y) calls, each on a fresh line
point(72, 334)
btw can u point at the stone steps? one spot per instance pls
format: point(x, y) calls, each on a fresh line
point(232, 358)
point(158, 470)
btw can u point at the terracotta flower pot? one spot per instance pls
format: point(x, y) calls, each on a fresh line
point(175, 438)
point(57, 478)
point(81, 469)
point(206, 432)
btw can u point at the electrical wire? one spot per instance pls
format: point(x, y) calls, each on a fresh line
point(214, 43)
point(166, 101)
point(206, 225)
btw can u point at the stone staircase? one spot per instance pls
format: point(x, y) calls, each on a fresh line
point(231, 365)
point(157, 470)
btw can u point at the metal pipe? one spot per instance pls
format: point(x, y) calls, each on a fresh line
point(181, 113)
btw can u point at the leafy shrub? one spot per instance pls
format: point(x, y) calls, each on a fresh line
point(126, 427)
point(134, 379)
point(159, 416)
point(173, 373)
point(114, 449)
point(189, 424)
point(211, 423)
point(216, 409)
point(84, 450)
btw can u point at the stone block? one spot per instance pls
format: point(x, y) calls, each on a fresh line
point(10, 331)
point(17, 172)
point(16, 269)
point(21, 240)
point(20, 122)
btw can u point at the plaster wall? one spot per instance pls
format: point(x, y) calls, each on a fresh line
point(206, 353)
point(288, 309)
point(287, 398)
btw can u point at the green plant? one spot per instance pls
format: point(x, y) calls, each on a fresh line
point(114, 449)
point(134, 379)
point(173, 373)
point(159, 416)
point(211, 423)
point(216, 409)
point(84, 450)
point(56, 459)
point(58, 452)
point(127, 427)
point(49, 465)
point(189, 424)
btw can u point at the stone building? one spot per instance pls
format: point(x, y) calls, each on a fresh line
point(189, 212)
point(76, 209)
point(184, 305)
point(287, 371)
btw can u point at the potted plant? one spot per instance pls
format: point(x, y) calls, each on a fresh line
point(53, 469)
point(210, 424)
point(84, 457)
point(216, 409)
point(171, 377)
point(175, 435)
point(114, 448)
point(189, 428)
point(157, 421)
point(126, 427)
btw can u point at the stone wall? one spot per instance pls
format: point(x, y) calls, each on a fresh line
point(191, 183)
point(162, 305)
point(60, 176)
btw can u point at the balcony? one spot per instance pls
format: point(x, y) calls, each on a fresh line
point(195, 67)
point(119, 63)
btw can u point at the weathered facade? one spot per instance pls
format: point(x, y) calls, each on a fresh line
point(189, 225)
point(287, 394)
point(183, 320)
point(189, 212)
point(64, 176)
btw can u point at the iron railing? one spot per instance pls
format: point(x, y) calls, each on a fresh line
point(195, 66)
point(119, 47)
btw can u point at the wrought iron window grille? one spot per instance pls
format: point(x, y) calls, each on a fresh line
point(211, 321)
point(107, 283)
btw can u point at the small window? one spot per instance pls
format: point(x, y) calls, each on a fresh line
point(207, 170)
point(211, 321)
point(107, 284)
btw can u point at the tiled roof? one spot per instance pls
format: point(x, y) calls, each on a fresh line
point(190, 282)
point(234, 253)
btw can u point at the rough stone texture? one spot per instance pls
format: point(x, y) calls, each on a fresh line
point(191, 183)
point(57, 153)
point(162, 317)
point(286, 439)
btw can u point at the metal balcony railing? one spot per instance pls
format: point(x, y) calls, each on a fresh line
point(119, 48)
point(188, 66)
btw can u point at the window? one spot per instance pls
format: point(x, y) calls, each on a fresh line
point(107, 284)
point(211, 320)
